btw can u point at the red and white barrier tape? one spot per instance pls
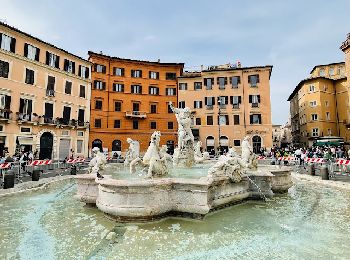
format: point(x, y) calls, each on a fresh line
point(40, 162)
point(315, 160)
point(286, 158)
point(77, 160)
point(5, 165)
point(342, 162)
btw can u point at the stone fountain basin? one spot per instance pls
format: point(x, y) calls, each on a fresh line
point(149, 199)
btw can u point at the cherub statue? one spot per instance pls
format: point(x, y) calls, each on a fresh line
point(133, 152)
point(97, 163)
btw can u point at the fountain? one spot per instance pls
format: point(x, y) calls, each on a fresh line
point(151, 191)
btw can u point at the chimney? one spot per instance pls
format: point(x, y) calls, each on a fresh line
point(158, 60)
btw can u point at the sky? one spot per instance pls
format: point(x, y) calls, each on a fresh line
point(291, 35)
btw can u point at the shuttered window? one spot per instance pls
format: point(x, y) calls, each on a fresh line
point(7, 43)
point(29, 76)
point(4, 69)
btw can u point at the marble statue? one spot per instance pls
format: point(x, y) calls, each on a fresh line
point(184, 155)
point(133, 152)
point(97, 163)
point(200, 157)
point(154, 158)
point(248, 156)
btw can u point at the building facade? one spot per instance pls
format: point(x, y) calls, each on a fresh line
point(281, 135)
point(319, 105)
point(345, 47)
point(44, 97)
point(130, 99)
point(229, 102)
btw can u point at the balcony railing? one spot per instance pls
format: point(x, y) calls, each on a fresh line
point(222, 106)
point(5, 114)
point(48, 120)
point(24, 117)
point(255, 104)
point(50, 93)
point(235, 106)
point(210, 107)
point(137, 114)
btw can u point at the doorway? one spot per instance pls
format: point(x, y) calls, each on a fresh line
point(256, 144)
point(46, 144)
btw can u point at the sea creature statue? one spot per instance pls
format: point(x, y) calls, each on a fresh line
point(228, 165)
point(154, 159)
point(184, 156)
point(133, 152)
point(200, 157)
point(97, 163)
point(249, 158)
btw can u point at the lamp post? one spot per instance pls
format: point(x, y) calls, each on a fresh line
point(219, 104)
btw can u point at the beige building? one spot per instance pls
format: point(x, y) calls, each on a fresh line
point(229, 102)
point(44, 97)
point(281, 135)
point(319, 105)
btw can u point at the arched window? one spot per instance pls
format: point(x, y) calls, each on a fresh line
point(224, 144)
point(116, 145)
point(97, 143)
point(210, 143)
point(256, 143)
point(171, 145)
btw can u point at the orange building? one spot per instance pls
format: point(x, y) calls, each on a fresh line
point(130, 98)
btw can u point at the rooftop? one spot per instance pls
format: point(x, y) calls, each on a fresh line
point(39, 40)
point(326, 65)
point(91, 53)
point(345, 43)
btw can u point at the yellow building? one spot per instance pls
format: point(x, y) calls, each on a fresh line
point(44, 97)
point(345, 47)
point(319, 105)
point(229, 102)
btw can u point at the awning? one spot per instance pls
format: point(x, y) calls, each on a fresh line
point(328, 143)
point(25, 140)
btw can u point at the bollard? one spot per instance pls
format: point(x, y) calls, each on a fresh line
point(36, 173)
point(73, 169)
point(9, 179)
point(324, 172)
point(311, 169)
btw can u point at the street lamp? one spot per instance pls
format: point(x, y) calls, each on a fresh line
point(219, 104)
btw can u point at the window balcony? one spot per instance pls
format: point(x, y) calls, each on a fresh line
point(210, 107)
point(50, 93)
point(22, 117)
point(235, 106)
point(223, 106)
point(135, 114)
point(5, 115)
point(255, 105)
point(82, 124)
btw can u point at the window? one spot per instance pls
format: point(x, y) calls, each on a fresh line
point(222, 101)
point(208, 83)
point(209, 120)
point(236, 119)
point(100, 85)
point(153, 90)
point(198, 121)
point(170, 76)
point(82, 91)
point(50, 90)
point(237, 142)
point(117, 87)
point(81, 117)
point(341, 71)
point(135, 106)
point(25, 106)
point(182, 86)
point(314, 117)
point(98, 123)
point(117, 106)
point(52, 60)
point(7, 43)
point(26, 130)
point(253, 80)
point(170, 125)
point(31, 52)
point(197, 85)
point(329, 131)
point(68, 88)
point(69, 66)
point(326, 103)
point(328, 116)
point(5, 103)
point(331, 71)
point(170, 91)
point(4, 69)
point(136, 89)
point(135, 124)
point(80, 133)
point(98, 104)
point(313, 103)
point(222, 81)
point(84, 71)
point(182, 104)
point(209, 102)
point(119, 72)
point(153, 125)
point(254, 100)
point(80, 146)
point(153, 75)
point(29, 76)
point(136, 73)
point(314, 131)
point(169, 109)
point(100, 68)
point(255, 119)
point(197, 104)
point(223, 120)
point(235, 81)
point(48, 117)
point(153, 108)
point(1, 128)
point(322, 72)
point(312, 88)
point(117, 123)
point(235, 101)
point(66, 114)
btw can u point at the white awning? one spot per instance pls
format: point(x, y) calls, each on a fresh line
point(25, 140)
